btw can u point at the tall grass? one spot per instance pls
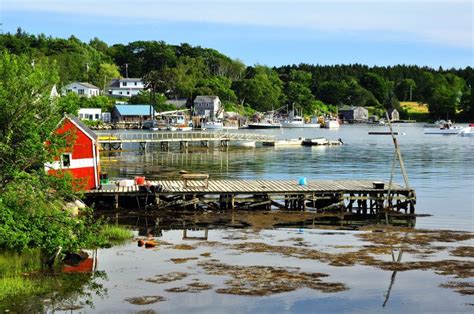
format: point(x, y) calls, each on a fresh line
point(114, 233)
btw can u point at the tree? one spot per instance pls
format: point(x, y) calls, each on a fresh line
point(262, 90)
point(404, 90)
point(377, 85)
point(31, 202)
point(27, 113)
point(445, 97)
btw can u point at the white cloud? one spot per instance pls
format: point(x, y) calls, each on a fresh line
point(445, 22)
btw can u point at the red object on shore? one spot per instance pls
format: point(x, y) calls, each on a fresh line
point(86, 266)
point(471, 125)
point(141, 242)
point(81, 155)
point(139, 180)
point(150, 244)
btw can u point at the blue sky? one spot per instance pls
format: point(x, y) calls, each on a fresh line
point(373, 32)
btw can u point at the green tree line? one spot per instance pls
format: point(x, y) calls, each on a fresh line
point(184, 71)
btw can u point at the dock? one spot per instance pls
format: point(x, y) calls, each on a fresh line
point(338, 197)
point(115, 141)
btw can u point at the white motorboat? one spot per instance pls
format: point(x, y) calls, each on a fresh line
point(450, 131)
point(331, 123)
point(468, 131)
point(315, 141)
point(287, 143)
point(264, 125)
point(212, 125)
point(298, 122)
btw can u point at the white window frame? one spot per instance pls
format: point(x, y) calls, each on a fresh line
point(62, 160)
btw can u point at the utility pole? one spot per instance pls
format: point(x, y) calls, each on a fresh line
point(126, 70)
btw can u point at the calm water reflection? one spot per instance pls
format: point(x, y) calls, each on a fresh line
point(439, 167)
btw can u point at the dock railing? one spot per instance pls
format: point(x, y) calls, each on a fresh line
point(180, 136)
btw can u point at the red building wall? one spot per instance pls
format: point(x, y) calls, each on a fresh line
point(82, 157)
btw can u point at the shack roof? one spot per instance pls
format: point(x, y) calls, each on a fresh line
point(134, 110)
point(206, 98)
point(84, 128)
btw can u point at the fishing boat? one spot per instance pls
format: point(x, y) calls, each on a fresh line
point(331, 123)
point(468, 131)
point(268, 122)
point(447, 129)
point(286, 143)
point(298, 122)
point(212, 125)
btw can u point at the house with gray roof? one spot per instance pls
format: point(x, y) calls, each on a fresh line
point(82, 89)
point(209, 107)
point(125, 87)
point(353, 114)
point(394, 114)
point(132, 113)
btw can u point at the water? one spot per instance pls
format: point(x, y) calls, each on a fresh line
point(439, 167)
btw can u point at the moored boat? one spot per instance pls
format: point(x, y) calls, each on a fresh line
point(298, 122)
point(331, 123)
point(286, 143)
point(212, 125)
point(264, 125)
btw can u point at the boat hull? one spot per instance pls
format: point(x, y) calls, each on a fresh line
point(263, 126)
point(451, 131)
point(289, 125)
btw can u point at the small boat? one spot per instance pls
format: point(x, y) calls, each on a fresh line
point(321, 141)
point(264, 125)
point(331, 123)
point(447, 129)
point(286, 143)
point(212, 125)
point(298, 122)
point(468, 131)
point(315, 141)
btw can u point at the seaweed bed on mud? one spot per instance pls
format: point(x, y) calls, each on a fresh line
point(377, 243)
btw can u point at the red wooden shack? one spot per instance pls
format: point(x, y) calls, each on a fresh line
point(81, 157)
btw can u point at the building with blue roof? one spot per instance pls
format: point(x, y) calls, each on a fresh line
point(132, 113)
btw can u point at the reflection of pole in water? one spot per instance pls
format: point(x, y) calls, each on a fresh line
point(394, 274)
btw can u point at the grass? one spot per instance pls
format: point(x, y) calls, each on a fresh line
point(416, 111)
point(114, 233)
point(17, 286)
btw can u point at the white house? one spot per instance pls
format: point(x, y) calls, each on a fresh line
point(94, 114)
point(82, 89)
point(208, 107)
point(91, 114)
point(125, 87)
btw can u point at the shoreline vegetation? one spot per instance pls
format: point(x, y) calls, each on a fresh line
point(182, 72)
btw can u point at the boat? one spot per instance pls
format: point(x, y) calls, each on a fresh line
point(315, 141)
point(447, 129)
point(468, 131)
point(212, 125)
point(268, 123)
point(298, 122)
point(286, 143)
point(321, 141)
point(331, 123)
point(264, 125)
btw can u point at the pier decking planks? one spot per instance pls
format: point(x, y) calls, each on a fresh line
point(258, 186)
point(337, 196)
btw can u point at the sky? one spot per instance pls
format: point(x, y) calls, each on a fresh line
point(374, 32)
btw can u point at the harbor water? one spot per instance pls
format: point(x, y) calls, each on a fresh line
point(262, 269)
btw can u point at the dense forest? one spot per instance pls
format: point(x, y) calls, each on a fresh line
point(183, 71)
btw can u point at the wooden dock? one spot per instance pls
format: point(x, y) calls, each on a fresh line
point(340, 197)
point(115, 141)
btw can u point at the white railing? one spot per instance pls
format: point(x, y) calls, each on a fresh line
point(180, 136)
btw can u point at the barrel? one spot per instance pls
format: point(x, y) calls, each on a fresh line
point(302, 181)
